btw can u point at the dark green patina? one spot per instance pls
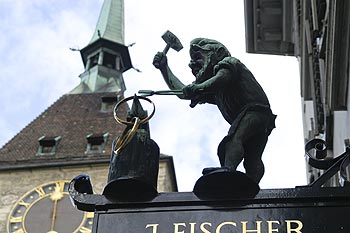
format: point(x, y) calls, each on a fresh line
point(226, 82)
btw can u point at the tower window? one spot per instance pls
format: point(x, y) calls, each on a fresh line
point(109, 60)
point(96, 143)
point(94, 60)
point(48, 145)
point(108, 103)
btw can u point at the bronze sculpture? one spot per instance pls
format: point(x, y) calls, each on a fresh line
point(226, 82)
point(134, 165)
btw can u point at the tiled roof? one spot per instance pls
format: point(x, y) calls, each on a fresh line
point(72, 117)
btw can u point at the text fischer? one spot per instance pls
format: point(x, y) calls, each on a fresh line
point(287, 226)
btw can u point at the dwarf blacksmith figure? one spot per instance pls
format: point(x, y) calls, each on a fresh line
point(226, 82)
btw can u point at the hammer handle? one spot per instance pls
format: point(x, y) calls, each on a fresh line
point(166, 49)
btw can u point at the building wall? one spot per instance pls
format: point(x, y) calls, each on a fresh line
point(325, 75)
point(320, 33)
point(166, 178)
point(14, 184)
point(341, 133)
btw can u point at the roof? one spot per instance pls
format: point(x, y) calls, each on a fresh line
point(72, 118)
point(110, 23)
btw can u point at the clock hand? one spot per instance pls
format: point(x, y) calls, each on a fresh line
point(53, 217)
point(55, 197)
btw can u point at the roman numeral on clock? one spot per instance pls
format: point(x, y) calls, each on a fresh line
point(16, 219)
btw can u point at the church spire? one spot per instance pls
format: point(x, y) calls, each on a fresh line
point(105, 57)
point(110, 24)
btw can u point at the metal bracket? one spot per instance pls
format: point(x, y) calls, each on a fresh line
point(332, 166)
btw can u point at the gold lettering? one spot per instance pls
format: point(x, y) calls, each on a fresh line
point(89, 214)
point(223, 224)
point(258, 227)
point(203, 229)
point(296, 230)
point(16, 219)
point(270, 227)
point(85, 230)
point(24, 203)
point(40, 191)
point(192, 224)
point(154, 227)
point(60, 186)
point(176, 227)
point(19, 231)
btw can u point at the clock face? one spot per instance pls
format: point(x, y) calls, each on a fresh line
point(48, 209)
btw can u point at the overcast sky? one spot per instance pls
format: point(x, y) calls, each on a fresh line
point(37, 68)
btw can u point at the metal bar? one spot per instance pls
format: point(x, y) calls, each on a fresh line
point(165, 92)
point(327, 175)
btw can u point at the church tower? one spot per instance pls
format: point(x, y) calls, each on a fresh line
point(72, 137)
point(106, 57)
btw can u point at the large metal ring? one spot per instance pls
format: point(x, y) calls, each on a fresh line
point(142, 121)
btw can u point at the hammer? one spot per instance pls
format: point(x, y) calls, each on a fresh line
point(171, 42)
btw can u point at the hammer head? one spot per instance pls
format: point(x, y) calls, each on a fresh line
point(172, 41)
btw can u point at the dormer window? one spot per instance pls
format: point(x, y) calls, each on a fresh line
point(108, 103)
point(96, 143)
point(48, 145)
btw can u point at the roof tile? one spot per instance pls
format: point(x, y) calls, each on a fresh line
point(72, 117)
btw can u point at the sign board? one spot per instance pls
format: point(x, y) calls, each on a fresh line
point(284, 211)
